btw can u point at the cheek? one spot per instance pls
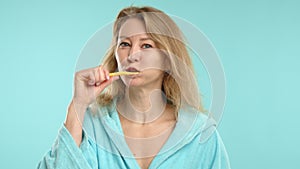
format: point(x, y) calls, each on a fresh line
point(154, 60)
point(121, 54)
point(120, 57)
point(153, 74)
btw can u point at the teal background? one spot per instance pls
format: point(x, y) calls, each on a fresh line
point(257, 41)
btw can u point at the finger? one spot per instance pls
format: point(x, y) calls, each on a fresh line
point(91, 77)
point(102, 75)
point(105, 84)
point(97, 76)
point(106, 72)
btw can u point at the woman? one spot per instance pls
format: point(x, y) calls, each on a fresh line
point(152, 118)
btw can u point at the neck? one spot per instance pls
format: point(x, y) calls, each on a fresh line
point(141, 105)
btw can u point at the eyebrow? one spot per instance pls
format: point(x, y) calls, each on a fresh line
point(142, 39)
point(122, 37)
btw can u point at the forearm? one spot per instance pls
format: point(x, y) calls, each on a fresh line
point(74, 121)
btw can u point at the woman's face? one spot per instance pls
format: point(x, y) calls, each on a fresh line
point(137, 52)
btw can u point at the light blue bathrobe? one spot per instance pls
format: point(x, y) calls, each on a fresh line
point(193, 144)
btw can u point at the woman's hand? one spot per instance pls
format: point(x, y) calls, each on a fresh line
point(88, 84)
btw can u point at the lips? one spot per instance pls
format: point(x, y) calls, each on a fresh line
point(132, 69)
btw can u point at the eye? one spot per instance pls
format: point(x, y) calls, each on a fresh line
point(124, 44)
point(145, 46)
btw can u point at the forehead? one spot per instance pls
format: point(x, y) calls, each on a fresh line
point(132, 27)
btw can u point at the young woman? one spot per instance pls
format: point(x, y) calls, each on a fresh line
point(151, 118)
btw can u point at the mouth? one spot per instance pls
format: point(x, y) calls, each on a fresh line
point(131, 69)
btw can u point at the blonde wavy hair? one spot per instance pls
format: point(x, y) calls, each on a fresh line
point(179, 83)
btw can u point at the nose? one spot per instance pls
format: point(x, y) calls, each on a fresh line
point(134, 54)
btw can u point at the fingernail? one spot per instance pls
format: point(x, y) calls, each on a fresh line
point(107, 77)
point(98, 83)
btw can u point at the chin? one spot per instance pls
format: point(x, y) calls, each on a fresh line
point(132, 82)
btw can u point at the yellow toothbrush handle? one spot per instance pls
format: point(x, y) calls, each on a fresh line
point(123, 73)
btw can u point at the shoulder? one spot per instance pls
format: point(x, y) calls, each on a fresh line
point(199, 122)
point(210, 144)
point(211, 152)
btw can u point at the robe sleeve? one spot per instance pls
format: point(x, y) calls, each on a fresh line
point(66, 154)
point(219, 156)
